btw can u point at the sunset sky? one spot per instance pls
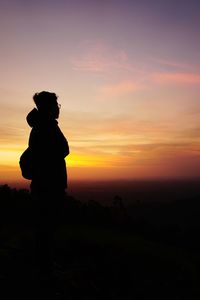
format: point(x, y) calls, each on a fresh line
point(127, 74)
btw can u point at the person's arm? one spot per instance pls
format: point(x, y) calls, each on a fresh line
point(63, 144)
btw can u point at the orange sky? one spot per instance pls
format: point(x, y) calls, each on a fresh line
point(127, 77)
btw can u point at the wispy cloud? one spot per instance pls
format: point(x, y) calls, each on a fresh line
point(120, 88)
point(180, 78)
point(144, 147)
point(12, 136)
point(173, 64)
point(98, 57)
point(97, 127)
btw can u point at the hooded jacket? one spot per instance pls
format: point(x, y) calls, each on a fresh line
point(49, 147)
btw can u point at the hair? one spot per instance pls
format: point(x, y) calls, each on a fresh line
point(44, 100)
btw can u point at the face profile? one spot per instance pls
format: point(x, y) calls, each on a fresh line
point(54, 110)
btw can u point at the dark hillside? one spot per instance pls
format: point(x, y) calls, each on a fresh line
point(146, 250)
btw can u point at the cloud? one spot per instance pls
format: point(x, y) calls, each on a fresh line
point(191, 134)
point(172, 64)
point(180, 78)
point(98, 127)
point(175, 160)
point(97, 57)
point(12, 136)
point(120, 88)
point(123, 129)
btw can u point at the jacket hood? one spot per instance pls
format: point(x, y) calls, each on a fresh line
point(33, 118)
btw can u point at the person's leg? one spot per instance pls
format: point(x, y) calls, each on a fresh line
point(48, 211)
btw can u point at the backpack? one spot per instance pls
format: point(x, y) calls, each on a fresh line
point(26, 164)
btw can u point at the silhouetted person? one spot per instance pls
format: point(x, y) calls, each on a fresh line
point(48, 148)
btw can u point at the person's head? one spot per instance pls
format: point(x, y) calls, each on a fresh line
point(47, 104)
